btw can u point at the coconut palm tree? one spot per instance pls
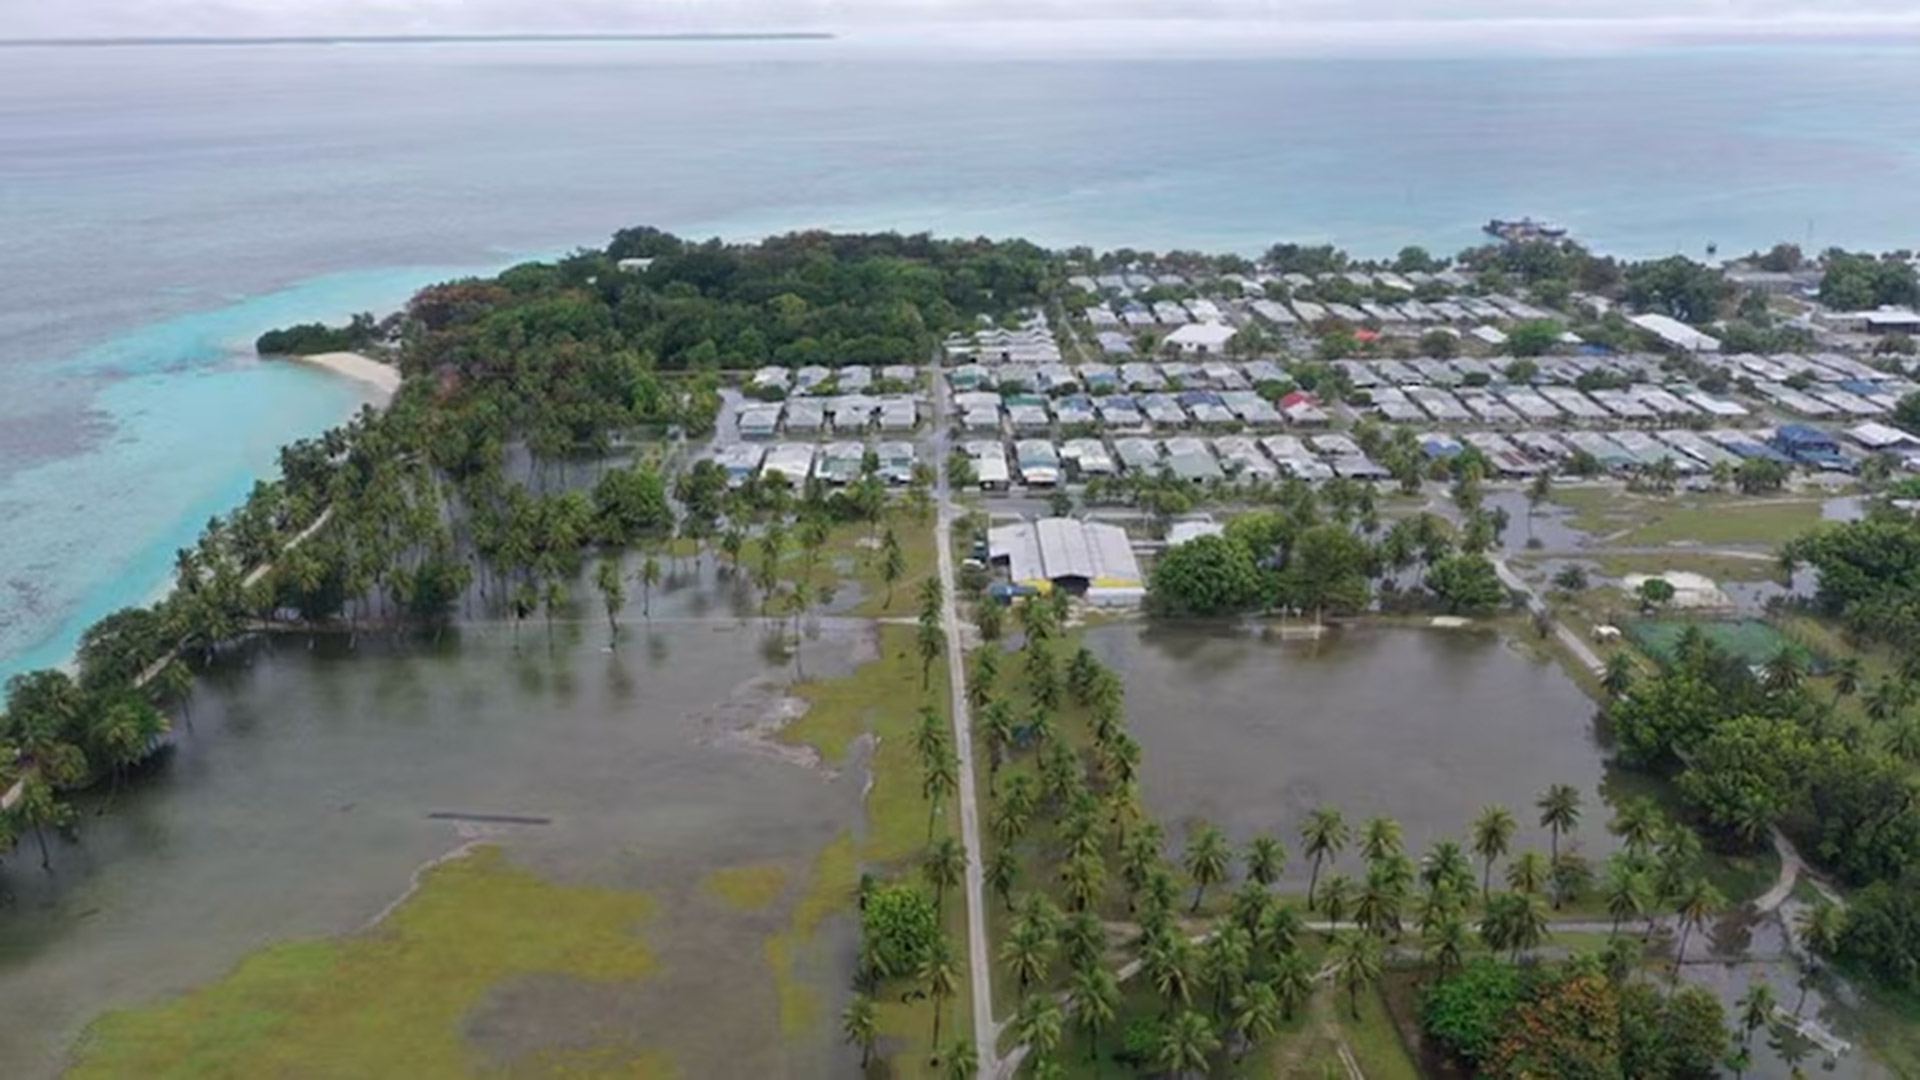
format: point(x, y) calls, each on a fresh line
point(1492, 837)
point(1164, 960)
point(613, 594)
point(1336, 897)
point(944, 864)
point(860, 1024)
point(939, 779)
point(1256, 1016)
point(1628, 893)
point(1094, 1000)
point(1756, 1010)
point(1358, 960)
point(1223, 965)
point(1618, 678)
point(1784, 673)
point(1084, 878)
point(1446, 944)
point(1638, 823)
point(1083, 940)
point(1186, 1044)
point(939, 973)
point(1323, 836)
point(1292, 981)
point(1514, 922)
point(1380, 839)
point(1207, 861)
point(1446, 867)
point(1028, 953)
point(963, 1060)
point(1846, 677)
point(1887, 698)
point(1696, 903)
point(1559, 807)
point(1039, 1024)
point(983, 672)
point(1265, 860)
point(1528, 874)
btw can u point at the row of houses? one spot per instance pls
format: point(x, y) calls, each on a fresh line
point(1029, 343)
point(817, 380)
point(836, 463)
point(982, 411)
point(1513, 406)
point(1043, 463)
point(1132, 376)
point(1037, 462)
point(847, 414)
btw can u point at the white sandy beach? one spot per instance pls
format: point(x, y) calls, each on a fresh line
point(382, 377)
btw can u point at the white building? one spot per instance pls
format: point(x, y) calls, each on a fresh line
point(1201, 337)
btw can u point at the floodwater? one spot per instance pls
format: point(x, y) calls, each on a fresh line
point(298, 807)
point(1741, 950)
point(1425, 726)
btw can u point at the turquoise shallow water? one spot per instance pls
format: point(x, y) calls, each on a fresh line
point(187, 421)
point(162, 206)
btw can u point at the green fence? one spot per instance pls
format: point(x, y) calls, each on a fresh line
point(1752, 641)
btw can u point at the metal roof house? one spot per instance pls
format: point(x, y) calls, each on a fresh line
point(758, 421)
point(740, 461)
point(989, 464)
point(1039, 463)
point(794, 461)
point(1676, 334)
point(1201, 338)
point(1137, 454)
point(1087, 558)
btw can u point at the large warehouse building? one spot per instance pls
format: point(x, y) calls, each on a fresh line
point(1085, 558)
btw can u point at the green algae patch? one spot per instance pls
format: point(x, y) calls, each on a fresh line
point(748, 888)
point(830, 890)
point(389, 1001)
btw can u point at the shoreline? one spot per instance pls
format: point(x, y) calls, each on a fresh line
point(383, 378)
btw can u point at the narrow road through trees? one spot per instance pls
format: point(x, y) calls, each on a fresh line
point(979, 969)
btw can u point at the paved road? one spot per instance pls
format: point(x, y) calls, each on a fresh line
point(980, 973)
point(1574, 643)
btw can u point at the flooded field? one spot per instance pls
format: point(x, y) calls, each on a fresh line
point(306, 796)
point(1423, 726)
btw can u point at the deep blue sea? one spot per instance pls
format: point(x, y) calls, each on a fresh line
point(161, 206)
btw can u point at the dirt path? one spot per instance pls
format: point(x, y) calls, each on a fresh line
point(979, 969)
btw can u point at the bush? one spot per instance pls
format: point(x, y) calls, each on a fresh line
point(1466, 1013)
point(1139, 1042)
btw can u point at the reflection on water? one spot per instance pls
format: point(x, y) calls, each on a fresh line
point(299, 807)
point(1423, 726)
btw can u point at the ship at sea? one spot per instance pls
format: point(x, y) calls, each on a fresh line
point(1524, 230)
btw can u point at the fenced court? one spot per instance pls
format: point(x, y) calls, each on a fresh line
point(1751, 641)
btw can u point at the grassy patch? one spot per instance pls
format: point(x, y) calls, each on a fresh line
point(1888, 1026)
point(388, 1001)
point(1725, 521)
point(748, 888)
point(1629, 520)
point(875, 696)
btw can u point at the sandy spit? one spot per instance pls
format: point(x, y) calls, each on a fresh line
point(384, 378)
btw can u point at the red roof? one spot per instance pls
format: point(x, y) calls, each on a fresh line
point(1298, 397)
point(1366, 335)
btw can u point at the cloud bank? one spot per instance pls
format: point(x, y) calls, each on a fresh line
point(127, 18)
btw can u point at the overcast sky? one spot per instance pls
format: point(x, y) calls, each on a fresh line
point(41, 18)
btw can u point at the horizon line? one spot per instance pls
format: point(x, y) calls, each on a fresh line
point(417, 39)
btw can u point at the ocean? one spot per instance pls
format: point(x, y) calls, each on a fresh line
point(160, 206)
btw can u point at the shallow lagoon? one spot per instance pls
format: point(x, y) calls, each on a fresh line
point(299, 807)
point(1426, 726)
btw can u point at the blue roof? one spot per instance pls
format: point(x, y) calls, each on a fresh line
point(1800, 435)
